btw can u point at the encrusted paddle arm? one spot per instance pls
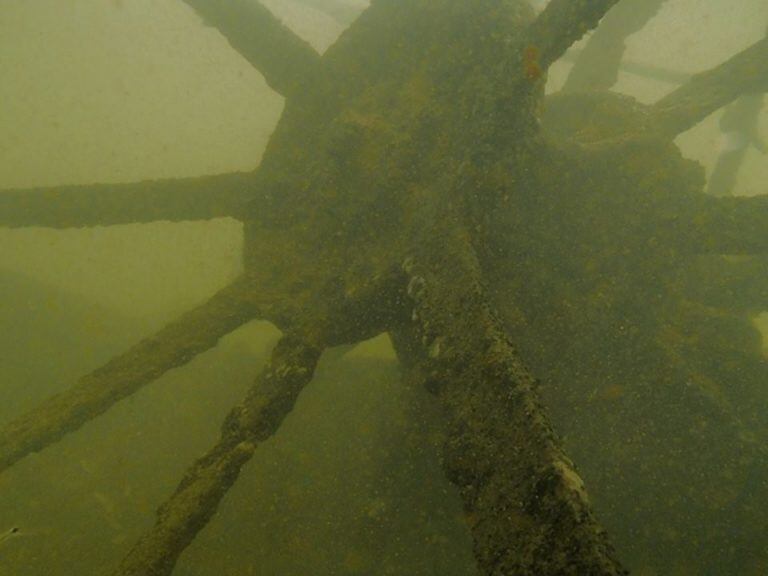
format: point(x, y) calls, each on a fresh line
point(525, 504)
point(201, 490)
point(176, 200)
point(286, 61)
point(597, 67)
point(728, 225)
point(709, 91)
point(193, 333)
point(562, 23)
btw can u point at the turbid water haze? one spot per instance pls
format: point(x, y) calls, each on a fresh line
point(127, 90)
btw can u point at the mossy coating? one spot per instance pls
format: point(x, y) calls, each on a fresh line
point(525, 504)
point(419, 183)
point(197, 497)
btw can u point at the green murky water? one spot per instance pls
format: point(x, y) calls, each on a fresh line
point(121, 91)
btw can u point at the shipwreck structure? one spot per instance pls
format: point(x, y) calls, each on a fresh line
point(420, 184)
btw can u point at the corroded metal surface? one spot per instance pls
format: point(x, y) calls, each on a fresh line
point(410, 187)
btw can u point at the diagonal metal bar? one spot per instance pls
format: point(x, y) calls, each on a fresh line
point(639, 69)
point(176, 200)
point(598, 64)
point(286, 61)
point(194, 332)
point(709, 91)
point(561, 24)
point(525, 504)
point(201, 490)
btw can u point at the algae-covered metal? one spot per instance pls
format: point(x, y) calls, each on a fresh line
point(420, 184)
